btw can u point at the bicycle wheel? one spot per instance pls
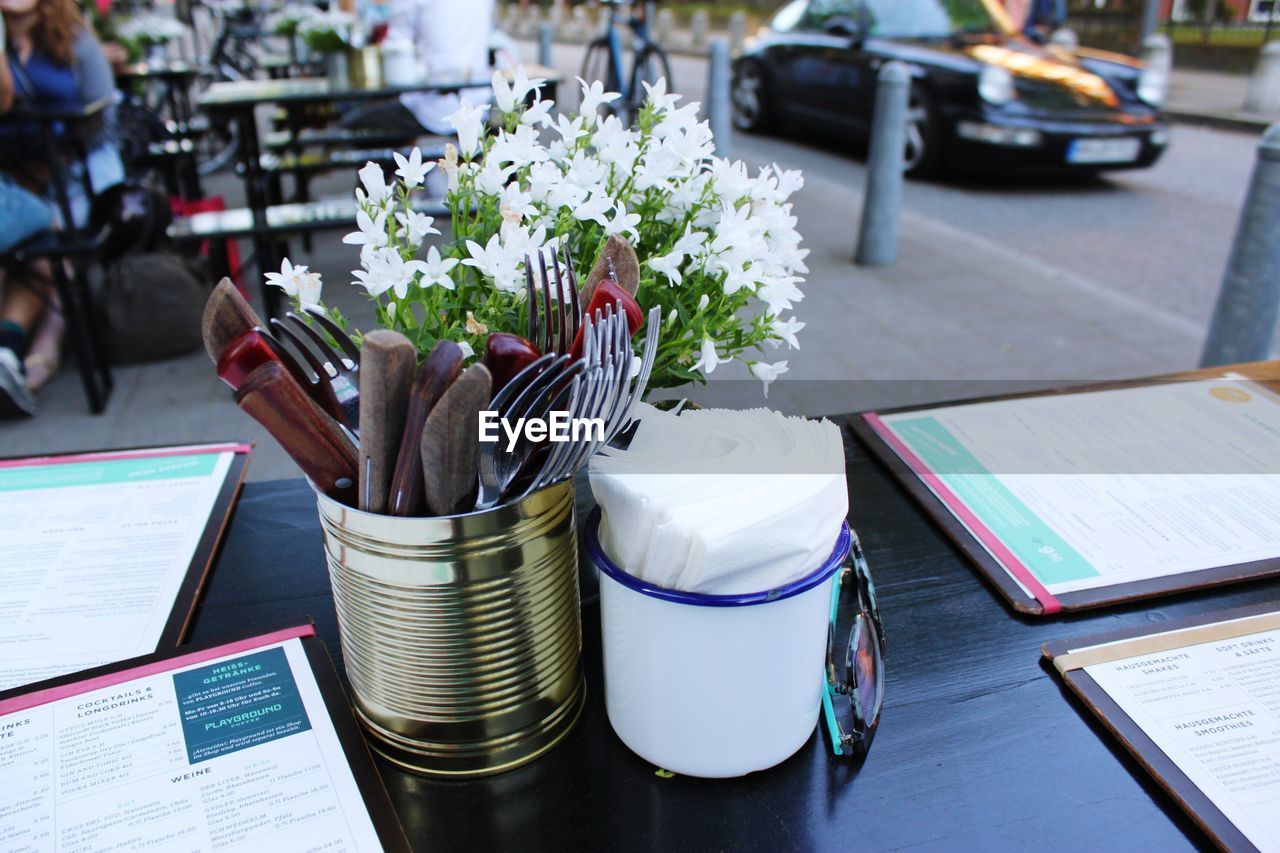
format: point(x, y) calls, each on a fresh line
point(651, 66)
point(596, 65)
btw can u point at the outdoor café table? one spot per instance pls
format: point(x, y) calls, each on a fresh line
point(238, 100)
point(173, 81)
point(979, 746)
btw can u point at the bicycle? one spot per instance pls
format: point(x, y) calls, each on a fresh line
point(604, 61)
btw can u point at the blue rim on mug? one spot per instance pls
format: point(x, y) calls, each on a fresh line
point(595, 551)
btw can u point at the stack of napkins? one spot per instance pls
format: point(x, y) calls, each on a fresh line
point(720, 501)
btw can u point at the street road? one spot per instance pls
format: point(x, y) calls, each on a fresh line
point(1158, 236)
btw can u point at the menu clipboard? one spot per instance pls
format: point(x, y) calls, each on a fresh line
point(990, 551)
point(1244, 639)
point(242, 745)
point(76, 520)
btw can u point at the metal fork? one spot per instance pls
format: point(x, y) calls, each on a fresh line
point(552, 330)
point(540, 388)
point(335, 384)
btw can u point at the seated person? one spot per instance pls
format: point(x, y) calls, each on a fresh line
point(452, 40)
point(54, 61)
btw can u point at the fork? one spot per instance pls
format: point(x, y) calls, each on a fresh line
point(533, 392)
point(552, 331)
point(335, 384)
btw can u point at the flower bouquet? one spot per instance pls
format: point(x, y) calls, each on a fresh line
point(289, 18)
point(326, 32)
point(719, 248)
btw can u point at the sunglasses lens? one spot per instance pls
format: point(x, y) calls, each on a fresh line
point(866, 673)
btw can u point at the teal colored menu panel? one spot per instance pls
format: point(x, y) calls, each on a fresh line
point(238, 704)
point(1046, 554)
point(106, 472)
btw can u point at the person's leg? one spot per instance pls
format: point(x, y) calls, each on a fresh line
point(44, 356)
point(18, 314)
point(22, 216)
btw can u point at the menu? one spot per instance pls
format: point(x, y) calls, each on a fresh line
point(102, 553)
point(1208, 698)
point(231, 748)
point(1071, 492)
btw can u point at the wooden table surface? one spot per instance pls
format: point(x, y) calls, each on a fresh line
point(979, 745)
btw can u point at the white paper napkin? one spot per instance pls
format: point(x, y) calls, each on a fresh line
point(721, 501)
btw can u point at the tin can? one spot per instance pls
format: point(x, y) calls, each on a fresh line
point(461, 635)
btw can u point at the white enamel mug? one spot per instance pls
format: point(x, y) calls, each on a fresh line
point(713, 685)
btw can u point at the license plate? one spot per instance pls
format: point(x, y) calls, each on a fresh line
point(1123, 150)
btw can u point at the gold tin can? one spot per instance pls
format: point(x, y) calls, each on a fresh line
point(461, 635)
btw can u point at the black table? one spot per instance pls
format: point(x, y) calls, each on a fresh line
point(979, 746)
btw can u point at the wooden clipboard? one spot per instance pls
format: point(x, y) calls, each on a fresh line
point(356, 752)
point(182, 613)
point(1169, 776)
point(1266, 373)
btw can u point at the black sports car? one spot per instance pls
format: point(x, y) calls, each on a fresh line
point(983, 94)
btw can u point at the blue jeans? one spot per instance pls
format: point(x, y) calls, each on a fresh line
point(22, 215)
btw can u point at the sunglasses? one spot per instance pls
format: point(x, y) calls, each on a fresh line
point(853, 691)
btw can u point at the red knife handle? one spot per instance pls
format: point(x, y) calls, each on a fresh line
point(305, 431)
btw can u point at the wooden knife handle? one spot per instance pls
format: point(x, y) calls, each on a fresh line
point(437, 373)
point(387, 361)
point(311, 438)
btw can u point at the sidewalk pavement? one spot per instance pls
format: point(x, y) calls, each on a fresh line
point(1213, 98)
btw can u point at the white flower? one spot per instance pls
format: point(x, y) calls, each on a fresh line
point(467, 351)
point(669, 266)
point(766, 373)
point(375, 182)
point(507, 95)
point(513, 199)
point(492, 178)
point(691, 242)
point(786, 329)
point(497, 261)
point(593, 96)
point(704, 301)
point(623, 222)
point(449, 162)
point(436, 270)
point(538, 115)
point(297, 281)
point(388, 271)
point(709, 361)
point(594, 208)
point(657, 95)
point(411, 169)
point(519, 149)
point(373, 230)
point(419, 225)
point(466, 121)
point(779, 293)
point(570, 130)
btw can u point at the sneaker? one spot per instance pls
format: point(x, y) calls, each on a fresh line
point(15, 397)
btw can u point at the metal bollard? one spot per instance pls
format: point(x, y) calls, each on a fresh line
point(699, 23)
point(1244, 319)
point(544, 45)
point(737, 30)
point(878, 231)
point(664, 23)
point(1150, 19)
point(1263, 94)
point(718, 74)
point(1157, 52)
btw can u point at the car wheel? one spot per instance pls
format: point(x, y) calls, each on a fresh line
point(923, 155)
point(751, 108)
